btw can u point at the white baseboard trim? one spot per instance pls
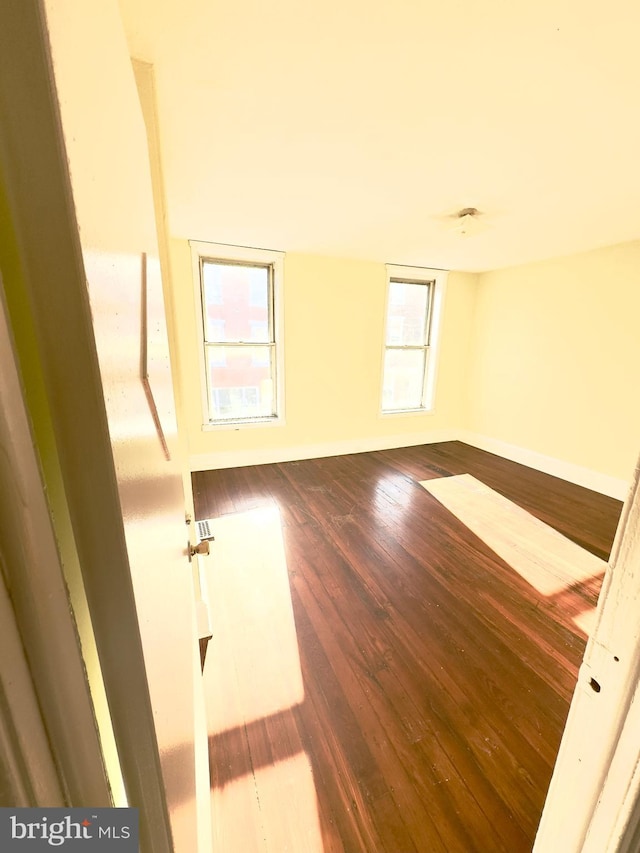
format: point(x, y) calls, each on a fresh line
point(614, 487)
point(598, 482)
point(263, 456)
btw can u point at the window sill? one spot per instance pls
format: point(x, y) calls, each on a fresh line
point(403, 413)
point(234, 426)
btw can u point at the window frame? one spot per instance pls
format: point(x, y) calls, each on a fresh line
point(202, 252)
point(436, 280)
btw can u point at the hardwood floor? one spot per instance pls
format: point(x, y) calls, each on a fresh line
point(436, 680)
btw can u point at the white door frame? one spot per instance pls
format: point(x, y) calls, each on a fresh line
point(593, 798)
point(34, 172)
point(48, 733)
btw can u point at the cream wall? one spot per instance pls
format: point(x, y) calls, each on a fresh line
point(333, 326)
point(555, 361)
point(537, 363)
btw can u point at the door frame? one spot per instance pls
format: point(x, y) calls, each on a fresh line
point(50, 739)
point(594, 796)
point(52, 291)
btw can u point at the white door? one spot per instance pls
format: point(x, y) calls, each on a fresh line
point(89, 283)
point(593, 803)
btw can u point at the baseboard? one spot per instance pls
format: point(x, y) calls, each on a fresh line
point(598, 482)
point(263, 456)
point(594, 480)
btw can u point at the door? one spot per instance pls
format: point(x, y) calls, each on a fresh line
point(75, 165)
point(593, 803)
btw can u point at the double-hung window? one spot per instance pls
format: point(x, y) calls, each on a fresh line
point(414, 307)
point(238, 300)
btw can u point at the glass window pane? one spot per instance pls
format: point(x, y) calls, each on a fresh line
point(407, 314)
point(403, 379)
point(217, 356)
point(240, 382)
point(259, 331)
point(236, 302)
point(397, 293)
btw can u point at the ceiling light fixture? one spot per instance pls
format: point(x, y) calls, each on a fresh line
point(466, 221)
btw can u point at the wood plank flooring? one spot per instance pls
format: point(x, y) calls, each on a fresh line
point(543, 557)
point(436, 680)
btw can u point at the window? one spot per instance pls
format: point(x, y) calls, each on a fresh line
point(214, 288)
point(229, 400)
point(259, 329)
point(396, 295)
point(257, 296)
point(218, 355)
point(414, 301)
point(238, 303)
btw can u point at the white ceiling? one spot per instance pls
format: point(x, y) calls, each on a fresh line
point(355, 127)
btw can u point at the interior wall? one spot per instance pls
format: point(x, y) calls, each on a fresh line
point(333, 332)
point(555, 355)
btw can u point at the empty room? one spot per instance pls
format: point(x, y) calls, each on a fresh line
point(358, 285)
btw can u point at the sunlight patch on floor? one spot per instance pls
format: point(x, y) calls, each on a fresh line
point(586, 620)
point(543, 557)
point(275, 810)
point(255, 648)
point(263, 794)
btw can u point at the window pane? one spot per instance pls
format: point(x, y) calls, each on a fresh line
point(212, 283)
point(407, 313)
point(403, 379)
point(397, 293)
point(258, 294)
point(216, 330)
point(217, 356)
point(236, 301)
point(259, 331)
point(240, 382)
